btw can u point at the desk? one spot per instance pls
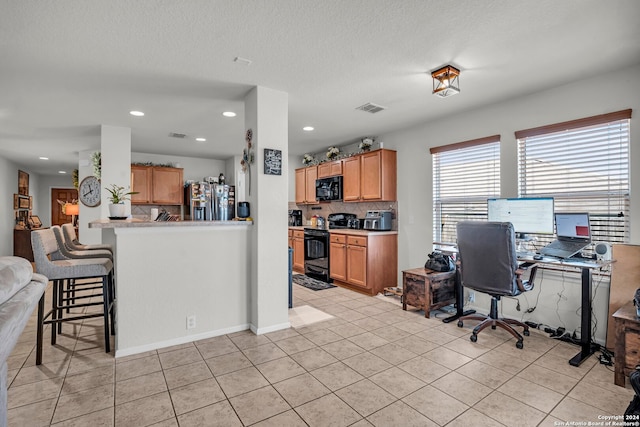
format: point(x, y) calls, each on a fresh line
point(587, 348)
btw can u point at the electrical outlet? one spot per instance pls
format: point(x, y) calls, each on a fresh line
point(191, 321)
point(472, 296)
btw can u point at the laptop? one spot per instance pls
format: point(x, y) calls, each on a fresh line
point(573, 232)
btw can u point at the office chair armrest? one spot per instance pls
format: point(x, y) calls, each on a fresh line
point(532, 267)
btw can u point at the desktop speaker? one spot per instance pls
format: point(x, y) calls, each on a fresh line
point(603, 251)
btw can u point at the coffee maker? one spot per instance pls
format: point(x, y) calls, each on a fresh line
point(295, 217)
point(197, 197)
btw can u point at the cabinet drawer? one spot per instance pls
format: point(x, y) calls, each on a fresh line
point(632, 345)
point(338, 238)
point(298, 234)
point(356, 241)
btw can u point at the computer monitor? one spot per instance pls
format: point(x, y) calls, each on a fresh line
point(529, 215)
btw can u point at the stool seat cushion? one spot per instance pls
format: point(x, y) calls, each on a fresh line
point(77, 268)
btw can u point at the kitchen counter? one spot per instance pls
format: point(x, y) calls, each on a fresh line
point(167, 272)
point(137, 223)
point(349, 231)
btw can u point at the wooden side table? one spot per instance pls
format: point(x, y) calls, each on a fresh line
point(427, 289)
point(627, 342)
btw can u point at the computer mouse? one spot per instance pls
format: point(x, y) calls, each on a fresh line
point(537, 257)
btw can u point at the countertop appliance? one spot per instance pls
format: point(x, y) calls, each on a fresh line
point(378, 220)
point(343, 220)
point(244, 210)
point(295, 217)
point(321, 223)
point(197, 197)
point(316, 254)
point(223, 202)
point(328, 189)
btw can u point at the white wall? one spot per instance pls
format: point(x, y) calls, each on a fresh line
point(194, 168)
point(604, 94)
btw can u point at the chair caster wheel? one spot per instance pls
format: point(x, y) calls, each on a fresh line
point(473, 338)
point(460, 324)
point(519, 344)
point(525, 333)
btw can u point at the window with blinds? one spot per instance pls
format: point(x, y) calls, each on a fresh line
point(584, 166)
point(465, 175)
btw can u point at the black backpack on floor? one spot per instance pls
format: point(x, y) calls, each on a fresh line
point(634, 405)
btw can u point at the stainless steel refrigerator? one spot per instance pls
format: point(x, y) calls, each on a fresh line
point(198, 197)
point(223, 202)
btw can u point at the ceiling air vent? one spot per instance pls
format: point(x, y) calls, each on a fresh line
point(177, 135)
point(370, 107)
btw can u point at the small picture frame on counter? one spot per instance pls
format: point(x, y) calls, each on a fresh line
point(272, 162)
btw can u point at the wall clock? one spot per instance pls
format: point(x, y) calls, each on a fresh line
point(89, 191)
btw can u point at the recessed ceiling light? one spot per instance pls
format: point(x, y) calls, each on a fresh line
point(43, 158)
point(62, 171)
point(229, 114)
point(136, 113)
point(201, 139)
point(307, 128)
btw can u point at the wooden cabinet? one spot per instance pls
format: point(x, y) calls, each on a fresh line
point(306, 185)
point(370, 176)
point(22, 244)
point(297, 243)
point(627, 342)
point(157, 185)
point(141, 182)
point(357, 261)
point(366, 262)
point(338, 256)
point(328, 169)
point(427, 289)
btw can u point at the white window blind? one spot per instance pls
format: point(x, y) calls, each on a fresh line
point(584, 166)
point(465, 175)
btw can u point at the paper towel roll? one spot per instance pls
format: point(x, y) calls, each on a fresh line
point(154, 214)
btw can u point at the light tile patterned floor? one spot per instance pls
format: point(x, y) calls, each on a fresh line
point(372, 364)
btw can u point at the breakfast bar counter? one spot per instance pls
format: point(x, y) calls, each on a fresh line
point(178, 282)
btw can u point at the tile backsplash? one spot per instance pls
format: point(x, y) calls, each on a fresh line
point(360, 209)
point(144, 211)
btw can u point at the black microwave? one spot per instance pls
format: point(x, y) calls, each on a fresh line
point(328, 189)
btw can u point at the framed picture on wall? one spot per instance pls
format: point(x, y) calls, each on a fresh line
point(24, 203)
point(272, 162)
point(16, 202)
point(23, 183)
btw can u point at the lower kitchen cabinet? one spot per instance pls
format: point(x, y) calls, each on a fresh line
point(297, 243)
point(366, 262)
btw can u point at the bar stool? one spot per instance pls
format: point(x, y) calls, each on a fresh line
point(65, 253)
point(50, 263)
point(72, 242)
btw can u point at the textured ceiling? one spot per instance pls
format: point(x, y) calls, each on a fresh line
point(68, 66)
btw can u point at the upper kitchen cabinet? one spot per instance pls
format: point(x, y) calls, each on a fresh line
point(157, 185)
point(328, 169)
point(306, 185)
point(370, 176)
point(141, 183)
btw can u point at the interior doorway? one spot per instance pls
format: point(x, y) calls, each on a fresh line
point(64, 195)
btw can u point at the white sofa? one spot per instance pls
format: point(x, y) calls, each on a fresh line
point(20, 291)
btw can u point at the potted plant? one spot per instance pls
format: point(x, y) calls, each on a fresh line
point(307, 159)
point(117, 197)
point(365, 144)
point(332, 153)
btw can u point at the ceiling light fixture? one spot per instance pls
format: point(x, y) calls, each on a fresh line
point(307, 128)
point(445, 81)
point(201, 139)
point(136, 113)
point(62, 171)
point(43, 158)
point(229, 114)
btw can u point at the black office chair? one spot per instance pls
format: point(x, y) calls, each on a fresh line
point(488, 264)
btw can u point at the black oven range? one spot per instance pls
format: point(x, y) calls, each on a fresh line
point(316, 254)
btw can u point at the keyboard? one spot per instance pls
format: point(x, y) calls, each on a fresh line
point(565, 246)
